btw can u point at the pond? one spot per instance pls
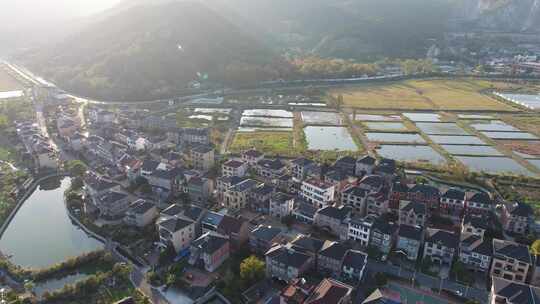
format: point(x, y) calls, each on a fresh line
point(409, 138)
point(471, 150)
point(54, 284)
point(386, 126)
point(495, 165)
point(41, 233)
point(247, 121)
point(474, 116)
point(424, 117)
point(411, 153)
point(329, 139)
point(441, 128)
point(372, 117)
point(495, 125)
point(526, 100)
point(268, 113)
point(456, 140)
point(509, 135)
point(322, 118)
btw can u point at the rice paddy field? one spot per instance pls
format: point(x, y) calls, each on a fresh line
point(438, 94)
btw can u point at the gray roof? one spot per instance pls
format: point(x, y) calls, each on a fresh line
point(209, 243)
point(334, 250)
point(172, 210)
point(481, 197)
point(281, 197)
point(356, 191)
point(455, 194)
point(335, 213)
point(443, 237)
point(288, 256)
point(141, 206)
point(203, 149)
point(302, 161)
point(418, 208)
point(410, 232)
point(515, 292)
point(265, 233)
point(367, 160)
point(272, 164)
point(484, 247)
point(244, 185)
point(309, 243)
point(354, 259)
point(513, 250)
point(521, 209)
point(175, 224)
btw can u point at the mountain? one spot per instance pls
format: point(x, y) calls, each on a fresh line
point(500, 15)
point(153, 51)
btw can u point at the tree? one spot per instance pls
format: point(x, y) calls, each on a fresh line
point(535, 247)
point(76, 168)
point(252, 269)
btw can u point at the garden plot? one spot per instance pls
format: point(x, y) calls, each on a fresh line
point(441, 128)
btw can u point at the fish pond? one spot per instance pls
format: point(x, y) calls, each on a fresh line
point(411, 153)
point(441, 128)
point(329, 139)
point(395, 137)
point(495, 165)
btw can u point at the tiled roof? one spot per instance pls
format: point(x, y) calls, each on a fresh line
point(230, 225)
point(175, 224)
point(367, 160)
point(355, 259)
point(329, 291)
point(410, 232)
point(265, 233)
point(335, 213)
point(209, 243)
point(516, 293)
point(443, 237)
point(455, 194)
point(141, 206)
point(512, 250)
point(334, 250)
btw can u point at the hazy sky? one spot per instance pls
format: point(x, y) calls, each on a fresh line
point(44, 9)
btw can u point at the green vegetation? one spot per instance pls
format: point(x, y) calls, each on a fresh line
point(272, 143)
point(437, 94)
point(252, 269)
point(9, 180)
point(317, 67)
point(231, 284)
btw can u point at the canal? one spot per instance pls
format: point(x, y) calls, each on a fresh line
point(41, 233)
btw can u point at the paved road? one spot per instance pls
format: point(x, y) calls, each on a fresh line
point(428, 281)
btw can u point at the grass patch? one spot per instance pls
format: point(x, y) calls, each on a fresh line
point(270, 142)
point(436, 94)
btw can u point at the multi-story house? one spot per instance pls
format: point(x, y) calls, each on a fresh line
point(330, 291)
point(339, 180)
point(409, 240)
point(398, 192)
point(166, 179)
point(112, 204)
point(452, 204)
point(199, 190)
point(176, 232)
point(330, 258)
point(475, 253)
point(360, 230)
point(377, 203)
point(259, 197)
point(440, 246)
point(517, 218)
point(480, 203)
point(96, 185)
point(281, 205)
point(383, 235)
point(365, 165)
point(353, 267)
point(372, 183)
point(195, 136)
point(509, 292)
point(252, 157)
point(304, 212)
point(355, 198)
point(412, 213)
point(224, 183)
point(334, 219)
point(263, 238)
point(302, 168)
point(319, 193)
point(202, 157)
point(347, 165)
point(236, 229)
point(474, 224)
point(270, 169)
point(237, 196)
point(511, 261)
point(286, 262)
point(209, 251)
point(234, 168)
point(426, 194)
point(141, 213)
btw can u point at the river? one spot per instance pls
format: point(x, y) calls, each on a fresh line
point(41, 233)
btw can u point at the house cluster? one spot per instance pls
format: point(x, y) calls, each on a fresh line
point(38, 145)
